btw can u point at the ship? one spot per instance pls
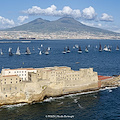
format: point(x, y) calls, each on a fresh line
point(100, 48)
point(18, 51)
point(64, 51)
point(79, 51)
point(10, 52)
point(68, 50)
point(27, 52)
point(86, 50)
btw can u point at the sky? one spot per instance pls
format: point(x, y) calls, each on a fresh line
point(97, 13)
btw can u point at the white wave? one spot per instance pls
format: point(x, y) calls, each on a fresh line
point(80, 106)
point(60, 103)
point(12, 106)
point(108, 88)
point(75, 101)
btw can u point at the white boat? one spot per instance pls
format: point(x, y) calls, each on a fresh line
point(117, 48)
point(41, 45)
point(86, 50)
point(27, 52)
point(18, 51)
point(46, 52)
point(64, 51)
point(1, 52)
point(49, 48)
point(68, 50)
point(105, 48)
point(10, 52)
point(40, 53)
point(79, 51)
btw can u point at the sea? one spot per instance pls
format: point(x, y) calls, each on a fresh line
point(103, 104)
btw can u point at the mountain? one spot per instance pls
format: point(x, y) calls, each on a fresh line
point(63, 24)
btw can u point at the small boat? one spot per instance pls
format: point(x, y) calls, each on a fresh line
point(41, 45)
point(100, 48)
point(109, 49)
point(1, 52)
point(64, 51)
point(18, 51)
point(10, 52)
point(73, 47)
point(49, 48)
point(79, 51)
point(27, 52)
point(40, 53)
point(68, 50)
point(33, 48)
point(105, 48)
point(86, 50)
point(46, 52)
point(117, 48)
point(88, 45)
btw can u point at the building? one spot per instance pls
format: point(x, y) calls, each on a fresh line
point(33, 84)
point(21, 72)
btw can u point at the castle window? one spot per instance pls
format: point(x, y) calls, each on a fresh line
point(5, 79)
point(10, 88)
point(5, 95)
point(5, 82)
point(14, 71)
point(16, 81)
point(16, 88)
point(20, 80)
point(11, 79)
point(11, 82)
point(4, 89)
point(16, 78)
point(9, 71)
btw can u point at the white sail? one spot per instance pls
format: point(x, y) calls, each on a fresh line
point(27, 51)
point(1, 52)
point(18, 51)
point(40, 53)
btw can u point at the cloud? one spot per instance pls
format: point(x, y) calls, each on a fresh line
point(52, 11)
point(22, 18)
point(106, 17)
point(89, 13)
point(6, 21)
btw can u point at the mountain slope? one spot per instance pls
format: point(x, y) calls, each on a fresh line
point(63, 24)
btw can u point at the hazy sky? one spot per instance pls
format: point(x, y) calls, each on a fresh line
point(98, 13)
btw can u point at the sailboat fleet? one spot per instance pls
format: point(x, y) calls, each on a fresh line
point(66, 49)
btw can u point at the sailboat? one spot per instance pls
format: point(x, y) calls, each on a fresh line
point(40, 53)
point(46, 52)
point(10, 52)
point(1, 52)
point(18, 51)
point(105, 48)
point(68, 50)
point(64, 51)
point(27, 52)
point(117, 48)
point(100, 48)
point(86, 50)
point(79, 51)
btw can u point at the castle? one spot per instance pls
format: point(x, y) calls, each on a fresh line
point(33, 84)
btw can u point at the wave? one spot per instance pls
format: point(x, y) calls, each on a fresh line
point(12, 106)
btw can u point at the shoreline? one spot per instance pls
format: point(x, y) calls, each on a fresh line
point(58, 97)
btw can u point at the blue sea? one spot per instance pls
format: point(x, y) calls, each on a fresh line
point(100, 105)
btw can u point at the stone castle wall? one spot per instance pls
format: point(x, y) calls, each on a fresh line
point(49, 81)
